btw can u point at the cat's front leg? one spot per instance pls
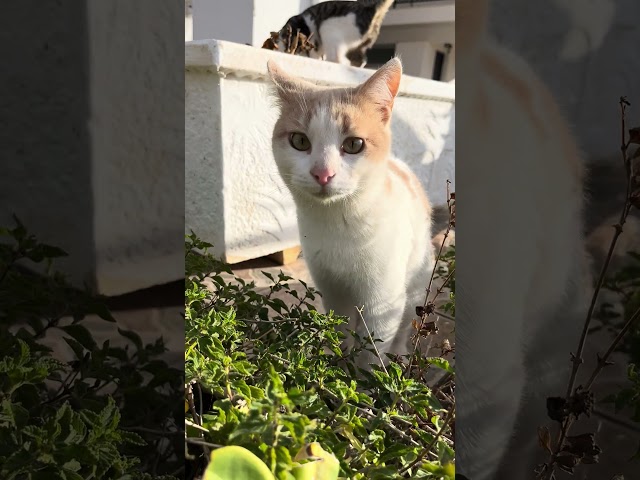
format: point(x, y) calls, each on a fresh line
point(337, 54)
point(490, 382)
point(335, 300)
point(381, 319)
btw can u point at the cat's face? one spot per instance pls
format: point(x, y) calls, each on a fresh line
point(330, 143)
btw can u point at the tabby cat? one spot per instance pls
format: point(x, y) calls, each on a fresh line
point(340, 31)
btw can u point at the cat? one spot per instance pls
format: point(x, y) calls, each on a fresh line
point(341, 31)
point(363, 216)
point(524, 282)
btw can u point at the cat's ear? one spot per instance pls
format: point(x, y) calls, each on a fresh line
point(285, 84)
point(382, 87)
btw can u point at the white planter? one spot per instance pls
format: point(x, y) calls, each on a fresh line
point(234, 196)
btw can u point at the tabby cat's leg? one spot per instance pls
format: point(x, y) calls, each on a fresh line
point(337, 54)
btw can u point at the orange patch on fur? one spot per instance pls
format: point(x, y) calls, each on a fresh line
point(364, 121)
point(410, 182)
point(356, 114)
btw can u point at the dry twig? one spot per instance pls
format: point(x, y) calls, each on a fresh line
point(572, 393)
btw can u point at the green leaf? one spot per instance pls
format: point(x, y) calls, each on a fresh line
point(440, 363)
point(133, 336)
point(236, 463)
point(322, 465)
point(13, 413)
point(132, 438)
point(81, 334)
point(268, 275)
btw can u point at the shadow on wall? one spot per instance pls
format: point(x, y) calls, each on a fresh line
point(46, 179)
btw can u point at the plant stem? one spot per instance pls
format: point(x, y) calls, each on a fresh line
point(371, 338)
point(428, 448)
point(433, 273)
point(602, 362)
point(577, 358)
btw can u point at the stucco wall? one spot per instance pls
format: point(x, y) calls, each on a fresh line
point(96, 164)
point(234, 196)
point(46, 167)
point(137, 134)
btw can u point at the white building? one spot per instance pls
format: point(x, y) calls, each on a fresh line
point(422, 32)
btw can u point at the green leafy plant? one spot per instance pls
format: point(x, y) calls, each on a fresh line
point(269, 376)
point(57, 420)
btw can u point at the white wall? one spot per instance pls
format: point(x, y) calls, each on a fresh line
point(417, 58)
point(242, 21)
point(418, 32)
point(232, 21)
point(437, 33)
point(422, 13)
point(188, 20)
point(270, 16)
point(95, 164)
point(449, 72)
point(137, 147)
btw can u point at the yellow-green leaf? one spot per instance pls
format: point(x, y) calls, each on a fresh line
point(323, 465)
point(236, 463)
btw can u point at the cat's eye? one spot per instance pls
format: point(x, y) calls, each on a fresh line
point(353, 145)
point(299, 141)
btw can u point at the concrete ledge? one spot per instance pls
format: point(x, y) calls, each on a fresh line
point(243, 61)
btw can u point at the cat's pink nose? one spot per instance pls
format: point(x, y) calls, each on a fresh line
point(323, 175)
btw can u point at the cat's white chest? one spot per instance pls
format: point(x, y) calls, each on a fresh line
point(341, 249)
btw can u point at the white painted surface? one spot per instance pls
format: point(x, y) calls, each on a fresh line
point(136, 155)
point(242, 21)
point(435, 33)
point(422, 13)
point(449, 72)
point(418, 58)
point(188, 20)
point(231, 20)
point(270, 16)
point(417, 31)
point(99, 169)
point(188, 28)
point(234, 196)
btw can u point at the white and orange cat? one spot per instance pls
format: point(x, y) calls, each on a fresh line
point(364, 219)
point(522, 278)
